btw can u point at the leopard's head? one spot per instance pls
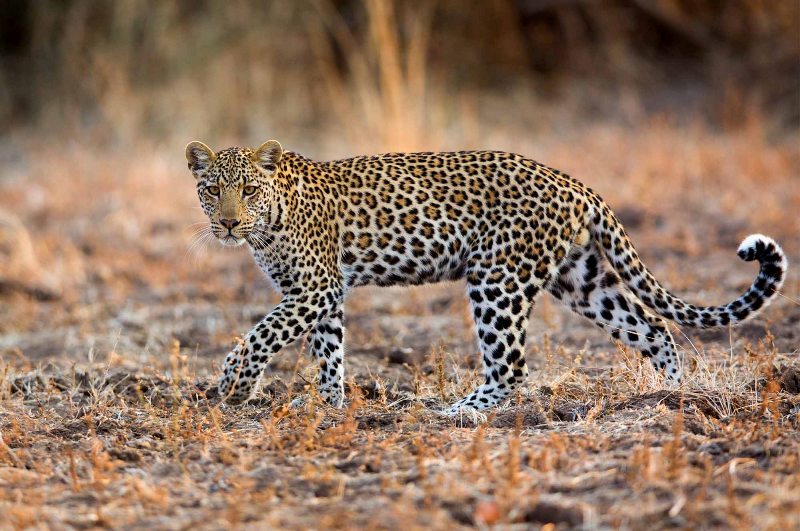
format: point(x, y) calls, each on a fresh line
point(236, 188)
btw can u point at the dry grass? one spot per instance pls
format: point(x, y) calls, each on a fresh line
point(102, 423)
point(111, 322)
point(116, 445)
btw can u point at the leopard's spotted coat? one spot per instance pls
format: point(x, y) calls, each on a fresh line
point(508, 225)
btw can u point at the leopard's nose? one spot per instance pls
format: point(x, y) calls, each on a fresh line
point(229, 223)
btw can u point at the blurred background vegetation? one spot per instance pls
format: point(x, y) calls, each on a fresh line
point(343, 76)
point(672, 109)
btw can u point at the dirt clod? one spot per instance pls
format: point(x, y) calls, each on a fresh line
point(790, 380)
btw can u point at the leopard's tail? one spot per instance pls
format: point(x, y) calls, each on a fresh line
point(619, 250)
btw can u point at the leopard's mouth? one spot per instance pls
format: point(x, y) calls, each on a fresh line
point(228, 237)
point(229, 240)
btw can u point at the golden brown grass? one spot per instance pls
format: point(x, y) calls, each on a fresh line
point(111, 322)
point(102, 423)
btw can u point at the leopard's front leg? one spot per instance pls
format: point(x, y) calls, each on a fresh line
point(327, 346)
point(291, 319)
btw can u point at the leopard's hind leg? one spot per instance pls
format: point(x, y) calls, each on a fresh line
point(501, 303)
point(591, 288)
point(502, 283)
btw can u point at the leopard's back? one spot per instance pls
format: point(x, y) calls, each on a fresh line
point(412, 218)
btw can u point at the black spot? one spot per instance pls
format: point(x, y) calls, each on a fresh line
point(502, 322)
point(531, 291)
point(610, 279)
point(499, 351)
point(591, 268)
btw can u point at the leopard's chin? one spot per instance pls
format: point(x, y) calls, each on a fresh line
point(231, 241)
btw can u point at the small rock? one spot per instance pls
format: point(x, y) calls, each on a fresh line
point(372, 390)
point(710, 448)
point(546, 512)
point(125, 454)
point(400, 356)
point(790, 380)
point(487, 512)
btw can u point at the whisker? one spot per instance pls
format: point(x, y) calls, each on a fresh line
point(198, 243)
point(199, 231)
point(198, 224)
point(203, 230)
point(264, 241)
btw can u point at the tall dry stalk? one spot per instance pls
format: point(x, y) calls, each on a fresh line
point(384, 101)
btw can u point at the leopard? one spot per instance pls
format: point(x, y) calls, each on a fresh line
point(508, 226)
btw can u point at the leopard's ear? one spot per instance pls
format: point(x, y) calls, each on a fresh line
point(199, 156)
point(267, 156)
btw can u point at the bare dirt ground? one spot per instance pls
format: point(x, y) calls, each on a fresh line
point(110, 329)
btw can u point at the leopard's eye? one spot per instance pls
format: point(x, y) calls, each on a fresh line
point(212, 191)
point(249, 190)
